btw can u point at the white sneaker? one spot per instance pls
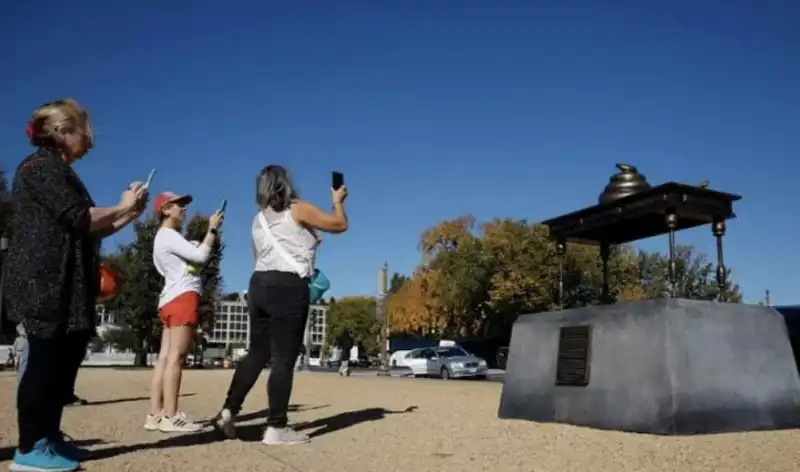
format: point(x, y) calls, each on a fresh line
point(224, 422)
point(151, 422)
point(283, 436)
point(178, 424)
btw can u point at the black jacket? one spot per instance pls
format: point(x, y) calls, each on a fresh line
point(51, 269)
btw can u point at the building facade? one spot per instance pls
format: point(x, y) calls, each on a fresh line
point(105, 319)
point(232, 326)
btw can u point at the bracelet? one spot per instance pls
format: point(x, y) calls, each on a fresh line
point(213, 231)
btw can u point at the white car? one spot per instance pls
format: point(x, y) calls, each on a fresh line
point(397, 359)
point(450, 362)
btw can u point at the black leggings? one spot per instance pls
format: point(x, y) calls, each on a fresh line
point(279, 304)
point(47, 385)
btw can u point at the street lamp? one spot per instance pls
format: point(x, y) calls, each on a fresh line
point(383, 316)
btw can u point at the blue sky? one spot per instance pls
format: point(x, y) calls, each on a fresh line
point(432, 109)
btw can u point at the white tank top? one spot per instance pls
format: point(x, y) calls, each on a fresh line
point(298, 241)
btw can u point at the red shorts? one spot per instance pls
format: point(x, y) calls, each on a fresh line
point(180, 311)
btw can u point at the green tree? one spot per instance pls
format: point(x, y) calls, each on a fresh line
point(351, 321)
point(396, 282)
point(136, 304)
point(120, 338)
point(210, 273)
point(695, 274)
point(479, 282)
point(97, 344)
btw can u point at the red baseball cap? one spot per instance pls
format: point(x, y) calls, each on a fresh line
point(165, 198)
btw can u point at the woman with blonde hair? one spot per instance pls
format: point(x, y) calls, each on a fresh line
point(176, 259)
point(51, 273)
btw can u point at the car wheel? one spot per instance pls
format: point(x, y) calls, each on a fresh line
point(480, 377)
point(445, 374)
point(394, 364)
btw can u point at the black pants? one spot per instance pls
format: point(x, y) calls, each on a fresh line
point(278, 312)
point(47, 385)
point(77, 343)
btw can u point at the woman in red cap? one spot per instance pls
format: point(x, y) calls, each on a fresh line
point(176, 259)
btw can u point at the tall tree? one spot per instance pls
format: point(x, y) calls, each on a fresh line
point(136, 304)
point(478, 283)
point(695, 274)
point(210, 273)
point(351, 321)
point(396, 282)
point(120, 338)
point(414, 308)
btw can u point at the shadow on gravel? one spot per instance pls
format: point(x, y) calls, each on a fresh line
point(125, 400)
point(327, 425)
point(265, 412)
point(204, 437)
point(347, 419)
point(7, 453)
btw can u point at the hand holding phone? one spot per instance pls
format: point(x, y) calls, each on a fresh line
point(149, 179)
point(338, 180)
point(338, 189)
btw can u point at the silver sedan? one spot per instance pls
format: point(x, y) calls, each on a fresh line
point(450, 362)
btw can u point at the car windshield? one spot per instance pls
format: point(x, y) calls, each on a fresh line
point(451, 352)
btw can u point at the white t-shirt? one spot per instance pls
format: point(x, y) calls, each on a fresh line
point(176, 259)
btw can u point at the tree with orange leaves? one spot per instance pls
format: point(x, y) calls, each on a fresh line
point(476, 283)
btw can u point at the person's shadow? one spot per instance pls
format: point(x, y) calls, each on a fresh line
point(255, 432)
point(203, 437)
point(126, 400)
point(328, 425)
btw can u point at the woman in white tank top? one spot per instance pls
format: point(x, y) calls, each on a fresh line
point(278, 296)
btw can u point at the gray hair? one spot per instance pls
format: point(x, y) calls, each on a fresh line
point(274, 188)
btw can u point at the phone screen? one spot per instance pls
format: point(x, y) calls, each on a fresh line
point(338, 180)
point(223, 206)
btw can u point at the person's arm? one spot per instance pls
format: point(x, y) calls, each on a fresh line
point(176, 244)
point(50, 185)
point(117, 225)
point(312, 217)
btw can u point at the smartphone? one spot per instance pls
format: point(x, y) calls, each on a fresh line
point(149, 179)
point(338, 180)
point(223, 205)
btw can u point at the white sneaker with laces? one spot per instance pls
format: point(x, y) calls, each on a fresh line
point(151, 422)
point(284, 436)
point(178, 424)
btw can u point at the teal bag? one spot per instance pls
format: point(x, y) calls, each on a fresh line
point(318, 285)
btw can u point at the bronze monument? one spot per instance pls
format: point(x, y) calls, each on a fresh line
point(664, 366)
point(630, 210)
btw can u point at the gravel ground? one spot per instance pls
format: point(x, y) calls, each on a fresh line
point(378, 425)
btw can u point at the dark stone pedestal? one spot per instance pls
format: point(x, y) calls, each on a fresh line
point(665, 366)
